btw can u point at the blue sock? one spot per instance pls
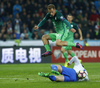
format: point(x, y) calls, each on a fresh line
point(54, 67)
point(52, 78)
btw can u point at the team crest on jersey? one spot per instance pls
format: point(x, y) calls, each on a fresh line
point(62, 18)
point(55, 18)
point(71, 25)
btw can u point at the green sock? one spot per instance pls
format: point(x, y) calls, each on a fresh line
point(73, 55)
point(65, 56)
point(47, 47)
point(71, 44)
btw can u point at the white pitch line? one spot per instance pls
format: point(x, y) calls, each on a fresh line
point(18, 78)
point(94, 75)
point(94, 81)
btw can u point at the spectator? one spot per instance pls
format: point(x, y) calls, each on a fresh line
point(85, 43)
point(9, 8)
point(3, 34)
point(85, 12)
point(16, 8)
point(76, 36)
point(98, 10)
point(97, 4)
point(40, 12)
point(17, 28)
point(28, 19)
point(2, 10)
point(91, 34)
point(35, 35)
point(98, 22)
point(24, 35)
point(51, 31)
point(24, 17)
point(31, 25)
point(92, 25)
point(87, 36)
point(25, 28)
point(9, 29)
point(97, 32)
point(9, 35)
point(41, 33)
point(94, 16)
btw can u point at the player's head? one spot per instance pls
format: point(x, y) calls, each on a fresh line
point(51, 9)
point(69, 17)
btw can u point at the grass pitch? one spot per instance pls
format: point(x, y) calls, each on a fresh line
point(25, 76)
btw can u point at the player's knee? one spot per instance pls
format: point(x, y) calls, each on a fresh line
point(45, 37)
point(54, 67)
point(58, 44)
point(63, 50)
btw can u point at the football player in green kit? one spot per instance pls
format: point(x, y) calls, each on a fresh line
point(70, 38)
point(62, 27)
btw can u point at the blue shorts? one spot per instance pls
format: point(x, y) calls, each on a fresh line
point(69, 74)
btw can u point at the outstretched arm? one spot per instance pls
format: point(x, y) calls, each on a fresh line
point(75, 60)
point(80, 32)
point(42, 22)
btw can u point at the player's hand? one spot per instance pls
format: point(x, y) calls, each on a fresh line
point(73, 30)
point(81, 38)
point(36, 27)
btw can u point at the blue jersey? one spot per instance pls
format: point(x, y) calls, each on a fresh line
point(69, 74)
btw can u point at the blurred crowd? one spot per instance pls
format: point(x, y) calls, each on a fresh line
point(18, 17)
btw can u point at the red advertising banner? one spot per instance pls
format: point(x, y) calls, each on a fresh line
point(88, 54)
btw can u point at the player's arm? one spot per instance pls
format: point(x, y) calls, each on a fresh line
point(80, 32)
point(41, 22)
point(75, 60)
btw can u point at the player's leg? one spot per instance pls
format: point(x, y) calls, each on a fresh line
point(56, 68)
point(67, 43)
point(64, 43)
point(57, 78)
point(72, 54)
point(45, 39)
point(64, 52)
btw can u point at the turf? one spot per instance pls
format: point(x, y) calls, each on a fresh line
point(25, 76)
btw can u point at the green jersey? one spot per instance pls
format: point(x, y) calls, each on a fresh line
point(75, 26)
point(70, 37)
point(59, 22)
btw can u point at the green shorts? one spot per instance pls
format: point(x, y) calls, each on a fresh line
point(55, 36)
point(67, 47)
point(68, 39)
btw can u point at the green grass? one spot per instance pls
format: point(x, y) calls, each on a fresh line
point(25, 76)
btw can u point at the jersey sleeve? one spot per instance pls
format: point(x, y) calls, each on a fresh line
point(75, 60)
point(44, 20)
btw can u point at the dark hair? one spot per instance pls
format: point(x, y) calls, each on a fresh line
point(50, 6)
point(70, 15)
